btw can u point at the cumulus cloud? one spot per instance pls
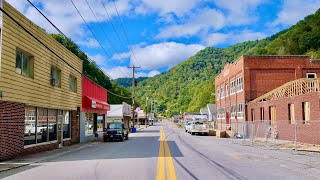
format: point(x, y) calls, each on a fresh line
point(98, 59)
point(89, 42)
point(121, 71)
point(65, 17)
point(204, 19)
point(232, 38)
point(294, 10)
point(166, 54)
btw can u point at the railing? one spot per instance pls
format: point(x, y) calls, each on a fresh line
point(292, 88)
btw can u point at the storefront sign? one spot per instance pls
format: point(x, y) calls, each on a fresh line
point(44, 118)
point(94, 104)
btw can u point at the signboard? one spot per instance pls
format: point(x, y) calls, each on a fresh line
point(94, 104)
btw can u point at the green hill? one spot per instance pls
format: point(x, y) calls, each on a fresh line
point(190, 85)
point(127, 82)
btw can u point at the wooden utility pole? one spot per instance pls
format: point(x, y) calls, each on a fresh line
point(133, 86)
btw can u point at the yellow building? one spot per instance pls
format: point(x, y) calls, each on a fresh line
point(40, 94)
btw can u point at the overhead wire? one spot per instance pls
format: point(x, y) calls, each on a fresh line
point(113, 27)
point(93, 34)
point(125, 34)
point(42, 43)
point(92, 61)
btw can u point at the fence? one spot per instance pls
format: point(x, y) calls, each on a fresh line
point(281, 133)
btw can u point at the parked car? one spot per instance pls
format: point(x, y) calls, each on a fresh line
point(116, 131)
point(198, 127)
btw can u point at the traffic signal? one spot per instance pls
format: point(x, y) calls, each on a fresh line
point(135, 83)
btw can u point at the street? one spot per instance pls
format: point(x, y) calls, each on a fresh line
point(164, 151)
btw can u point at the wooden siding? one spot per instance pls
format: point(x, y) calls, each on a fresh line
point(36, 91)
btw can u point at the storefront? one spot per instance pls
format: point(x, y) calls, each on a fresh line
point(94, 110)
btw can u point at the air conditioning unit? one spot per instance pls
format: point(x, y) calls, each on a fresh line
point(54, 82)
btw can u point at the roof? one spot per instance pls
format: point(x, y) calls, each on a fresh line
point(204, 110)
point(211, 108)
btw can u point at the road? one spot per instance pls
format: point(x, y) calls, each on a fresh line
point(164, 151)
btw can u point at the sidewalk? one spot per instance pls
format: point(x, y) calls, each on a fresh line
point(43, 156)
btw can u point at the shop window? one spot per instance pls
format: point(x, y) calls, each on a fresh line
point(24, 63)
point(291, 113)
point(232, 91)
point(239, 84)
point(30, 126)
point(240, 111)
point(42, 125)
point(55, 76)
point(67, 125)
point(73, 84)
point(306, 112)
point(52, 121)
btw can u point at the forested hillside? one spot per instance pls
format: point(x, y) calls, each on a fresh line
point(95, 74)
point(127, 82)
point(190, 85)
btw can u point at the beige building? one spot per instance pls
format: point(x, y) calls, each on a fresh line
point(40, 94)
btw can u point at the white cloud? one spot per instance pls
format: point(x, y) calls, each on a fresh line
point(176, 7)
point(204, 19)
point(295, 10)
point(99, 59)
point(65, 17)
point(121, 71)
point(232, 38)
point(239, 12)
point(121, 56)
point(89, 42)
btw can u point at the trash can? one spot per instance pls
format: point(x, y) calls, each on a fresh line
point(133, 130)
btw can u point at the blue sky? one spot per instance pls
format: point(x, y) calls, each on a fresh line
point(163, 33)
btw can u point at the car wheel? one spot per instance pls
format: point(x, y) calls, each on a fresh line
point(186, 131)
point(192, 133)
point(122, 138)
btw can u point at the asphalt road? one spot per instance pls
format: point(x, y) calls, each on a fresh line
point(164, 151)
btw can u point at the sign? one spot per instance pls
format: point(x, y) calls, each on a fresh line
point(44, 118)
point(94, 104)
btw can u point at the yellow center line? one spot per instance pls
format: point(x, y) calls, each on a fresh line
point(165, 154)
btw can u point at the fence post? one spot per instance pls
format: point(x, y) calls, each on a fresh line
point(295, 134)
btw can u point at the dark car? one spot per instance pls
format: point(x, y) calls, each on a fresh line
point(115, 131)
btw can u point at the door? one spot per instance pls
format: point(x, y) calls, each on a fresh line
point(273, 115)
point(60, 128)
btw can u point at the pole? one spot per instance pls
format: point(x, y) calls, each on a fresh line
point(145, 121)
point(133, 85)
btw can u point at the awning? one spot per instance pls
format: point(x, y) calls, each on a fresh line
point(95, 106)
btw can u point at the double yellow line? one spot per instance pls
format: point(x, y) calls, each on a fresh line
point(165, 156)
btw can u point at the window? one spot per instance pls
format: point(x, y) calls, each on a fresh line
point(233, 111)
point(223, 113)
point(232, 88)
point(42, 125)
point(30, 126)
point(73, 84)
point(291, 113)
point(306, 112)
point(261, 113)
point(227, 90)
point(240, 111)
point(218, 114)
point(52, 121)
point(222, 92)
point(89, 124)
point(239, 84)
point(55, 76)
point(24, 63)
point(218, 94)
point(311, 75)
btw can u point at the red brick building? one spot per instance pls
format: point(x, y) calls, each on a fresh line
point(252, 76)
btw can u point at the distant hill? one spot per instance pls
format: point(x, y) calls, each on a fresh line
point(190, 85)
point(127, 82)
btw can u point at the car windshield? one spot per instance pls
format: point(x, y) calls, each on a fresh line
point(115, 126)
point(199, 123)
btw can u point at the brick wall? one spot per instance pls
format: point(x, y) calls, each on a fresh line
point(306, 133)
point(11, 129)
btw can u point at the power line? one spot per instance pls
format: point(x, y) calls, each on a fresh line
point(113, 27)
point(96, 37)
point(92, 61)
point(125, 34)
point(42, 43)
point(104, 32)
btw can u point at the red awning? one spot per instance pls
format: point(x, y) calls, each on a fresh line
point(96, 106)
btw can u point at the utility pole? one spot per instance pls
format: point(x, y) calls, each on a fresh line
point(133, 86)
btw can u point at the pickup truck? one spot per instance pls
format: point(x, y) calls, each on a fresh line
point(115, 130)
point(197, 127)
